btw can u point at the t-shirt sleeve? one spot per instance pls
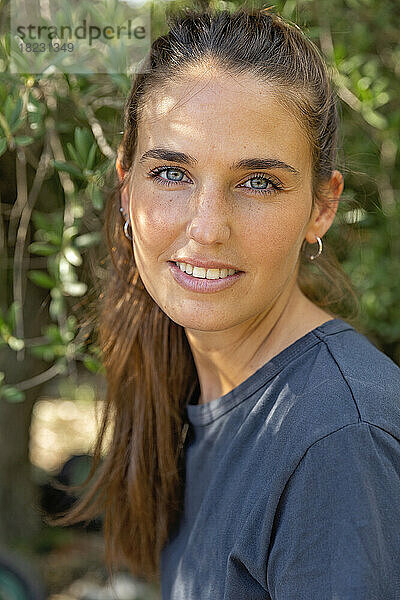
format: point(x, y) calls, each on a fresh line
point(336, 530)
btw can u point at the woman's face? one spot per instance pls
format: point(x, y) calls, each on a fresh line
point(204, 207)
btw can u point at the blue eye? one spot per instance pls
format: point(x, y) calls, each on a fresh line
point(154, 174)
point(263, 189)
point(175, 171)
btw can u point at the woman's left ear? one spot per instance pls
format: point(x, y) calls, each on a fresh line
point(325, 210)
point(119, 169)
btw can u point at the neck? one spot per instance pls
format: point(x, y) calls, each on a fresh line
point(224, 359)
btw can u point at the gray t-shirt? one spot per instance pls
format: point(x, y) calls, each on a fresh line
point(293, 480)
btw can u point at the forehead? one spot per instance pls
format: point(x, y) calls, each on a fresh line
point(219, 116)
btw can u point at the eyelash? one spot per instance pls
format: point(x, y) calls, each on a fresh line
point(153, 174)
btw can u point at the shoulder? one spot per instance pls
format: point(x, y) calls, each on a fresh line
point(346, 448)
point(356, 355)
point(371, 378)
point(340, 379)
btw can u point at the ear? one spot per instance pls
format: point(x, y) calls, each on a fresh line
point(124, 191)
point(119, 169)
point(324, 212)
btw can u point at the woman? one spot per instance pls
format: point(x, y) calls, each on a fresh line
point(287, 485)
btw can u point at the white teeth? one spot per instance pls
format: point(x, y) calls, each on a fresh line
point(202, 273)
point(199, 272)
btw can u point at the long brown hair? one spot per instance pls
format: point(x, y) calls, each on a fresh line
point(150, 371)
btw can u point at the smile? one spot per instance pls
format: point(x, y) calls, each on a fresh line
point(203, 280)
point(202, 273)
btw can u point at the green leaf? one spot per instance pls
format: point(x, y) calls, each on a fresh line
point(44, 352)
point(83, 142)
point(71, 169)
point(16, 125)
point(5, 47)
point(12, 314)
point(48, 221)
point(52, 237)
point(72, 322)
point(8, 109)
point(5, 331)
point(42, 279)
point(23, 140)
point(95, 195)
point(73, 154)
point(92, 364)
point(53, 333)
point(42, 249)
point(3, 145)
point(11, 394)
point(373, 118)
point(91, 157)
point(88, 239)
point(62, 365)
point(17, 110)
point(59, 349)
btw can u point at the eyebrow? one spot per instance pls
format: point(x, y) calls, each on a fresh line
point(244, 163)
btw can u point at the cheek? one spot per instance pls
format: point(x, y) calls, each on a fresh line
point(274, 239)
point(155, 223)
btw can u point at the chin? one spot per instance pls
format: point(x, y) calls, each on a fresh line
point(200, 320)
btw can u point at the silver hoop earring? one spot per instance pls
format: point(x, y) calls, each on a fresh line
point(121, 210)
point(126, 230)
point(319, 249)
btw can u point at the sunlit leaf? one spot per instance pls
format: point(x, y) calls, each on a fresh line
point(15, 343)
point(56, 308)
point(75, 288)
point(73, 256)
point(87, 239)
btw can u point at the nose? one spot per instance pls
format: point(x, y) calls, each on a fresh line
point(211, 220)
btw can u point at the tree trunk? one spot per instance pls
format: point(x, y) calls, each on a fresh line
point(20, 519)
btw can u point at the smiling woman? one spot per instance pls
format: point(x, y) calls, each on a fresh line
point(213, 327)
point(212, 203)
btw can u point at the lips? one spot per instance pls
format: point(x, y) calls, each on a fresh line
point(200, 284)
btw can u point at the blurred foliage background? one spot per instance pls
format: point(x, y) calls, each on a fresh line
point(58, 139)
